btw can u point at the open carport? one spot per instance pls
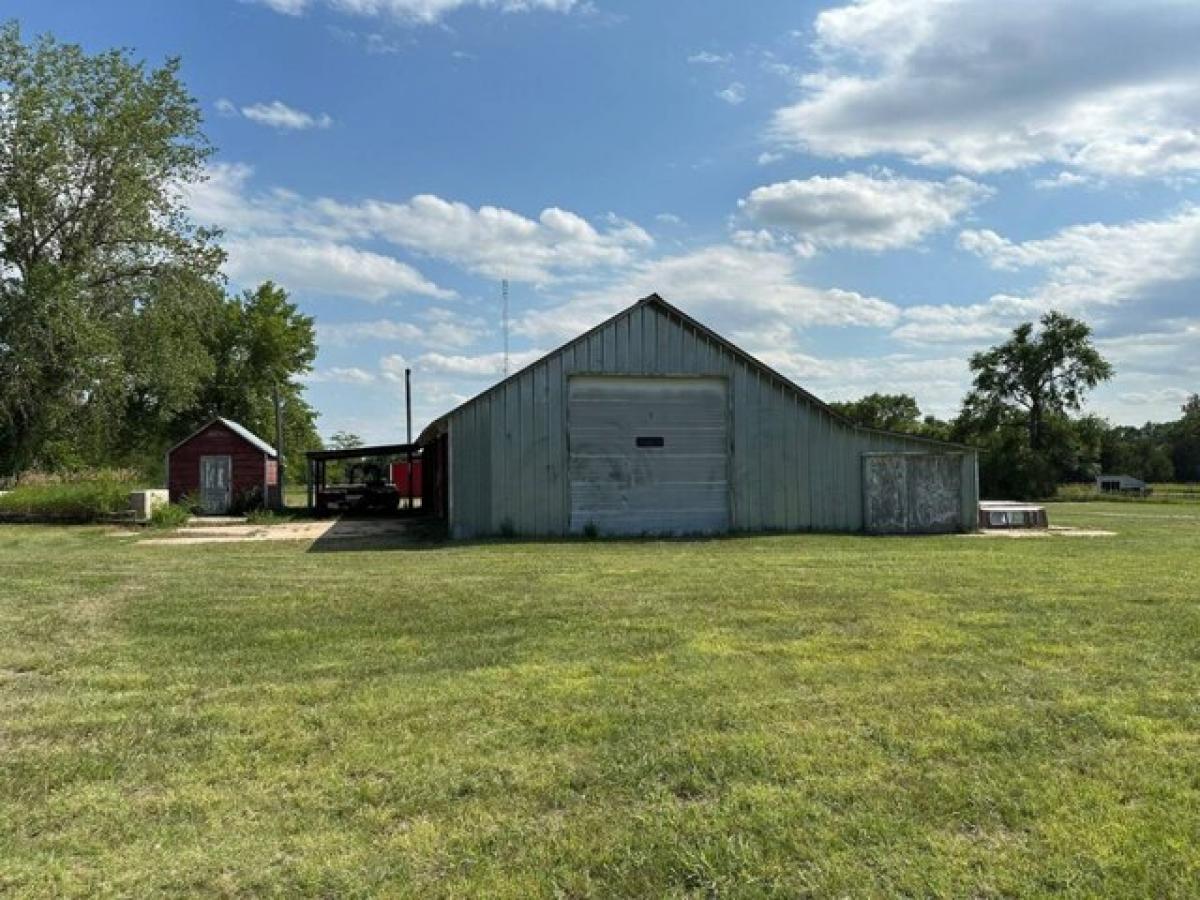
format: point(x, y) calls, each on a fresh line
point(386, 478)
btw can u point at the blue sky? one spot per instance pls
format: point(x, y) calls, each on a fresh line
point(862, 194)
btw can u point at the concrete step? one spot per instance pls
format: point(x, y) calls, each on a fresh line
point(215, 521)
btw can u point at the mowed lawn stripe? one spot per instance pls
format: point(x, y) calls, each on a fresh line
point(757, 716)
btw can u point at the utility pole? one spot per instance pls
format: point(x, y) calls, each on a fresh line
point(278, 449)
point(408, 473)
point(408, 402)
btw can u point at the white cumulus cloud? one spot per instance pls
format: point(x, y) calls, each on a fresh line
point(275, 114)
point(492, 241)
point(735, 289)
point(1130, 278)
point(875, 212)
point(421, 12)
point(325, 267)
point(434, 328)
point(489, 241)
point(734, 94)
point(341, 375)
point(268, 237)
point(484, 365)
point(1104, 87)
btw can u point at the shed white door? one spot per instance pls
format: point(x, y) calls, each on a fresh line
point(648, 455)
point(215, 487)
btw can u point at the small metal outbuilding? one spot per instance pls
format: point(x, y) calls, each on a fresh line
point(222, 465)
point(652, 423)
point(1121, 484)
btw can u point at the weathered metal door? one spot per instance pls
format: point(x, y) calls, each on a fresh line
point(215, 490)
point(648, 455)
point(912, 493)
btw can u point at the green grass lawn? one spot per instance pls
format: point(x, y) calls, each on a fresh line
point(788, 716)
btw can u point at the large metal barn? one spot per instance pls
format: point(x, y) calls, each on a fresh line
point(651, 423)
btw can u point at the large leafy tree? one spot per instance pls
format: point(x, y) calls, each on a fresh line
point(345, 440)
point(1037, 374)
point(263, 343)
point(891, 412)
point(169, 366)
point(1185, 450)
point(116, 334)
point(94, 151)
point(1018, 411)
point(1143, 452)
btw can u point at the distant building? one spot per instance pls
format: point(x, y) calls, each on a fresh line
point(1121, 484)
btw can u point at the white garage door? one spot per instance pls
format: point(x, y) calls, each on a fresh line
point(649, 455)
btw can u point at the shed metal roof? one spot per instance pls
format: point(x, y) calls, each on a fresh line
point(240, 430)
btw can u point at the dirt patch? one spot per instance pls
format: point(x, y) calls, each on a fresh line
point(1052, 531)
point(323, 530)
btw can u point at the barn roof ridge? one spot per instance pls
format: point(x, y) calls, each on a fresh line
point(237, 428)
point(655, 299)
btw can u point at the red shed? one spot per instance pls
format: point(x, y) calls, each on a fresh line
point(221, 464)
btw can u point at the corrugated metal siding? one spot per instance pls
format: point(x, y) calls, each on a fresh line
point(794, 466)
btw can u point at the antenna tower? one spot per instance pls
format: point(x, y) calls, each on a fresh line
point(504, 315)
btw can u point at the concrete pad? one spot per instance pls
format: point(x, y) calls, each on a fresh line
point(215, 521)
point(1144, 515)
point(1052, 531)
point(309, 530)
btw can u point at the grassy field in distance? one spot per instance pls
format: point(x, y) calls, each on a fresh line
point(790, 715)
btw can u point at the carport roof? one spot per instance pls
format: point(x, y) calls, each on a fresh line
point(362, 452)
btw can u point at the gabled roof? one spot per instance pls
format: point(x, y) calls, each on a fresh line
point(240, 430)
point(654, 300)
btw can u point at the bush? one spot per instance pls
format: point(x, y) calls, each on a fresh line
point(170, 515)
point(83, 496)
point(246, 502)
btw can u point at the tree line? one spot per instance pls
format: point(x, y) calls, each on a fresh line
point(1022, 413)
point(117, 334)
